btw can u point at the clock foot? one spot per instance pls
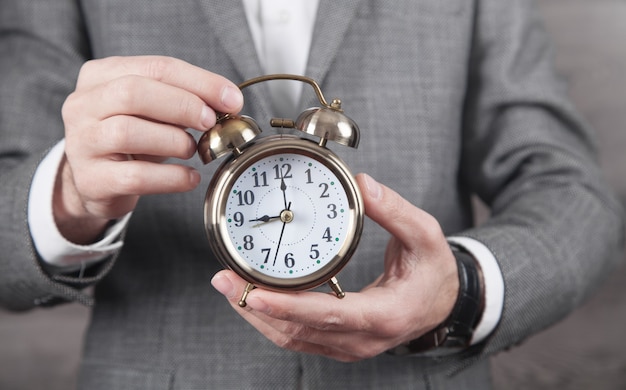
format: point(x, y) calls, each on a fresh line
point(246, 291)
point(334, 285)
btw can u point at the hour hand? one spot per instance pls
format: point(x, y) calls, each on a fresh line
point(264, 219)
point(283, 188)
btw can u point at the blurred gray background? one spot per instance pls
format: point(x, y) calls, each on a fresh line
point(41, 349)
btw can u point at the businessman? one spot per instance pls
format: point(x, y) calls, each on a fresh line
point(101, 107)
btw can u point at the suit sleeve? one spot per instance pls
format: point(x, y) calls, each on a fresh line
point(556, 229)
point(39, 63)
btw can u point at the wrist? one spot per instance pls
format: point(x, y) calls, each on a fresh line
point(455, 332)
point(72, 219)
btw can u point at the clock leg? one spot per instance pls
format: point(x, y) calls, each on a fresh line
point(246, 291)
point(334, 285)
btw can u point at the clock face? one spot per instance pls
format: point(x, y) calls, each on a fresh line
point(288, 219)
point(287, 215)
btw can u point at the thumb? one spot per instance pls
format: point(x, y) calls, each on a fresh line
point(412, 226)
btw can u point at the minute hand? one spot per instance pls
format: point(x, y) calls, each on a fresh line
point(280, 239)
point(278, 246)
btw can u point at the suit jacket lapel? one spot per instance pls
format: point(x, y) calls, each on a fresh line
point(331, 24)
point(228, 21)
point(333, 19)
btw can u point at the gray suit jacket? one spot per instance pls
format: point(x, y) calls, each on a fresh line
point(454, 97)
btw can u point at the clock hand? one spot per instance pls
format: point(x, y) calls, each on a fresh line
point(282, 230)
point(279, 240)
point(263, 220)
point(283, 188)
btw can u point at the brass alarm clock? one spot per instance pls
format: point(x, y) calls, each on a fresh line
point(283, 211)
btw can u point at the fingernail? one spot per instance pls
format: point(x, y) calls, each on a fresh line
point(232, 98)
point(207, 117)
point(194, 177)
point(372, 187)
point(223, 285)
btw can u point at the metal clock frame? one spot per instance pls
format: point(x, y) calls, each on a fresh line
point(221, 186)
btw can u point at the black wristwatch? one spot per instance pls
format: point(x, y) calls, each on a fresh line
point(455, 333)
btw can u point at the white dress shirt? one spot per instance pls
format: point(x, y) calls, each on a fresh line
point(282, 31)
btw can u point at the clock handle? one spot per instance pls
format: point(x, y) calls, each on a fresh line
point(335, 105)
point(232, 132)
point(328, 122)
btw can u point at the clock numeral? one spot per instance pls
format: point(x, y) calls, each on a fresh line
point(333, 211)
point(308, 176)
point(324, 188)
point(327, 236)
point(289, 260)
point(283, 172)
point(245, 198)
point(260, 180)
point(238, 218)
point(315, 254)
point(247, 243)
point(267, 254)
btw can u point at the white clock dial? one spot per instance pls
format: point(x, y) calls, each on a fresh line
point(287, 215)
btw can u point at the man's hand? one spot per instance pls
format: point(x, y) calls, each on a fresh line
point(415, 293)
point(126, 116)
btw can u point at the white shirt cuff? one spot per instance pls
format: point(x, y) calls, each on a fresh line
point(51, 246)
point(494, 286)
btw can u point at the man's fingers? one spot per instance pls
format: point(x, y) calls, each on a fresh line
point(138, 96)
point(303, 307)
point(215, 90)
point(138, 136)
point(313, 322)
point(159, 88)
point(134, 177)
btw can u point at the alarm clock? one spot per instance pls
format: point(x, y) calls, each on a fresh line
point(283, 211)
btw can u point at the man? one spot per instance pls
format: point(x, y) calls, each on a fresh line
point(454, 98)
